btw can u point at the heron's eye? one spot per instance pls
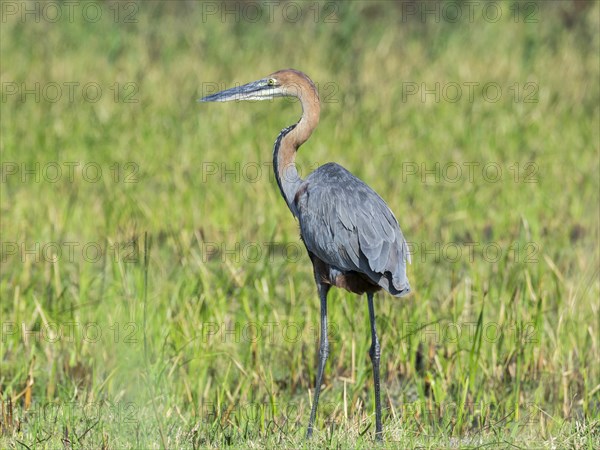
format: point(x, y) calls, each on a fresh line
point(271, 82)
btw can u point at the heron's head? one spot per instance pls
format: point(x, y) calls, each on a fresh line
point(283, 83)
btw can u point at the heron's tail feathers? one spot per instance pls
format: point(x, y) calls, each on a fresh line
point(396, 287)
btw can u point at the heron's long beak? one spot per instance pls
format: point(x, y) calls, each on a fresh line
point(257, 90)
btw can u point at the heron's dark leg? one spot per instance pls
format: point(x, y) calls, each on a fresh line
point(374, 353)
point(323, 353)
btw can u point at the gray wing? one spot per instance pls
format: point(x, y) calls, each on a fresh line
point(347, 224)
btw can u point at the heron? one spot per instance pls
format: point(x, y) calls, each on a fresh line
point(352, 237)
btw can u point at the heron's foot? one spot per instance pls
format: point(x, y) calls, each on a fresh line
point(309, 433)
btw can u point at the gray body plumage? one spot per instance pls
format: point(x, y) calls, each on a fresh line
point(347, 225)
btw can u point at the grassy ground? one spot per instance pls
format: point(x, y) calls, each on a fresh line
point(155, 292)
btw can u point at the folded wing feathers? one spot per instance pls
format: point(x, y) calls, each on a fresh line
point(346, 224)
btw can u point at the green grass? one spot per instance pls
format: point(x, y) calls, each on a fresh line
point(167, 302)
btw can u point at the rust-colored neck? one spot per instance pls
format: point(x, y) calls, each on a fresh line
point(291, 138)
